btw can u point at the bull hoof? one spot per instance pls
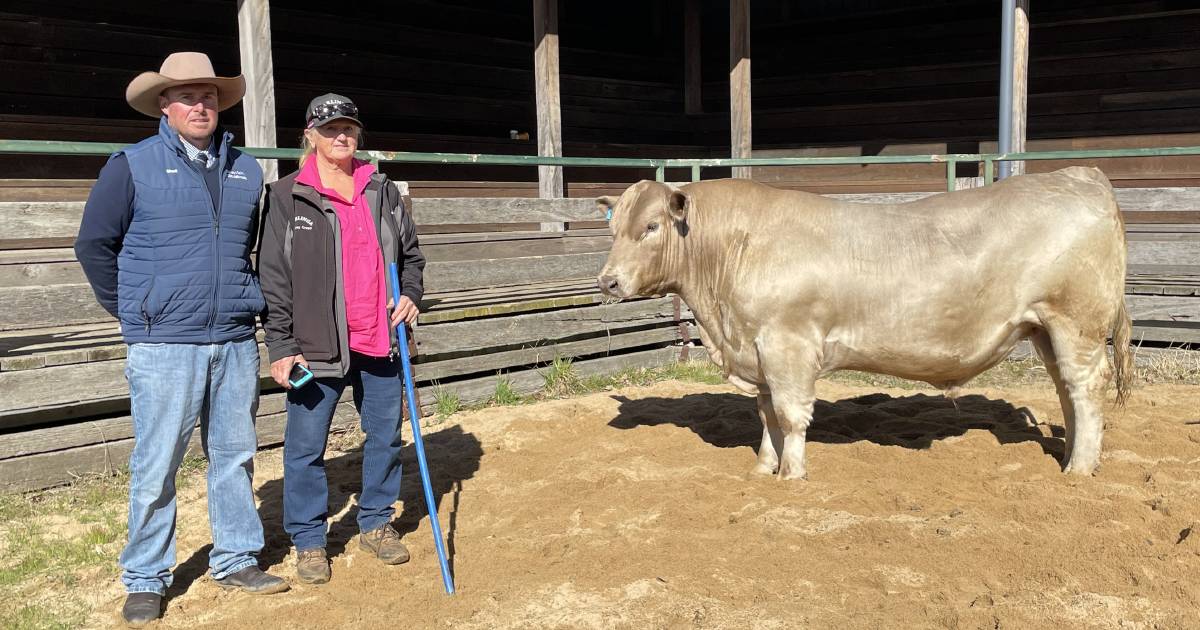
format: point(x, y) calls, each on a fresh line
point(789, 474)
point(1081, 469)
point(760, 469)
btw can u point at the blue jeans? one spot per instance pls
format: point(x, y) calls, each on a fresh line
point(378, 396)
point(170, 386)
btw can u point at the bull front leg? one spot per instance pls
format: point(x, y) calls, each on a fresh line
point(772, 437)
point(790, 364)
point(794, 409)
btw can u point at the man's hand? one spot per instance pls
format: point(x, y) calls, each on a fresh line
point(406, 312)
point(283, 367)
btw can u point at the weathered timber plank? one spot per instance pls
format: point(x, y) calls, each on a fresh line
point(1163, 252)
point(491, 310)
point(1183, 219)
point(44, 470)
point(433, 211)
point(516, 249)
point(40, 219)
point(1130, 200)
point(60, 219)
point(80, 389)
point(42, 393)
point(547, 99)
point(35, 243)
point(1165, 308)
point(48, 255)
point(107, 430)
point(529, 381)
point(41, 274)
point(57, 305)
point(459, 275)
point(485, 296)
point(42, 347)
point(67, 304)
point(1165, 334)
point(471, 336)
point(473, 236)
point(494, 361)
point(455, 228)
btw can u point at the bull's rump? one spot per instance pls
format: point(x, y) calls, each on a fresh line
point(938, 288)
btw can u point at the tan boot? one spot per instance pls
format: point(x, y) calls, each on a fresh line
point(385, 543)
point(312, 566)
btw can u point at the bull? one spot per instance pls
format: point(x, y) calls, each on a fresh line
point(789, 286)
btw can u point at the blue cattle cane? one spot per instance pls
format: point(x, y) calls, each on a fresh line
point(418, 444)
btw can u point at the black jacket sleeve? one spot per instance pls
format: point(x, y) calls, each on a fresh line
point(106, 218)
point(275, 276)
point(412, 270)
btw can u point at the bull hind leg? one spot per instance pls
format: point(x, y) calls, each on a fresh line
point(1045, 351)
point(1081, 358)
point(772, 438)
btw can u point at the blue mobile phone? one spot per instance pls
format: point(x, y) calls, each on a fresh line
point(300, 376)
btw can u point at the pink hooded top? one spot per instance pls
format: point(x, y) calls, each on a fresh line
point(362, 261)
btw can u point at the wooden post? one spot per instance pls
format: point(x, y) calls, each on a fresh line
point(1020, 81)
point(692, 81)
point(258, 106)
point(549, 119)
point(739, 83)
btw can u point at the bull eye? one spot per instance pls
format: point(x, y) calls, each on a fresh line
point(653, 227)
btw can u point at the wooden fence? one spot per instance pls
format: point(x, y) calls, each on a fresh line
point(510, 287)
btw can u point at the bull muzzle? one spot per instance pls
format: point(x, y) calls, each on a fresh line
point(609, 285)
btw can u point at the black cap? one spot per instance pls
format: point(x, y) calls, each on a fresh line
point(330, 107)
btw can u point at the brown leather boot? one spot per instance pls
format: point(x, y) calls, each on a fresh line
point(385, 543)
point(312, 566)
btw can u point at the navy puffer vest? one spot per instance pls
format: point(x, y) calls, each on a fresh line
point(184, 273)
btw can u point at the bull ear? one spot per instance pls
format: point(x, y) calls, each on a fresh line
point(606, 204)
point(677, 206)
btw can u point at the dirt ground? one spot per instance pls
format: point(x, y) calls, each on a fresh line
point(633, 509)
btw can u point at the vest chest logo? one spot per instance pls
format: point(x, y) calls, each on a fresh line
point(172, 171)
point(303, 223)
point(236, 175)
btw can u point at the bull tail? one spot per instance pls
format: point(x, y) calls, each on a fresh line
point(1122, 331)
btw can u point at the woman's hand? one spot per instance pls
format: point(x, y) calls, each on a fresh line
point(281, 369)
point(406, 312)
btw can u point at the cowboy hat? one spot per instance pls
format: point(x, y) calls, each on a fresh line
point(182, 68)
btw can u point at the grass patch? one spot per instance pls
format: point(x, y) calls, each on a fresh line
point(32, 617)
point(504, 393)
point(54, 539)
point(445, 402)
point(560, 379)
point(693, 372)
point(688, 371)
point(1170, 365)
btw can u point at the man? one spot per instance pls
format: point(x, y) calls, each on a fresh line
point(165, 243)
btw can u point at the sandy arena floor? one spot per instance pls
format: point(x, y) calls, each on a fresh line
point(633, 509)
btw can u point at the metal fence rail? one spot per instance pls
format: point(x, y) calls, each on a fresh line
point(951, 160)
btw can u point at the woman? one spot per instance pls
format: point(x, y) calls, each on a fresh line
point(331, 230)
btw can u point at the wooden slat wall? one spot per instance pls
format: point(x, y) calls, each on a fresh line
point(504, 296)
point(889, 73)
point(447, 76)
point(510, 287)
point(427, 75)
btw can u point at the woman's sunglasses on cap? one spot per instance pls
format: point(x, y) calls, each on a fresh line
point(329, 111)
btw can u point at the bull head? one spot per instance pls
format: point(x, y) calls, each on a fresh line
point(649, 220)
